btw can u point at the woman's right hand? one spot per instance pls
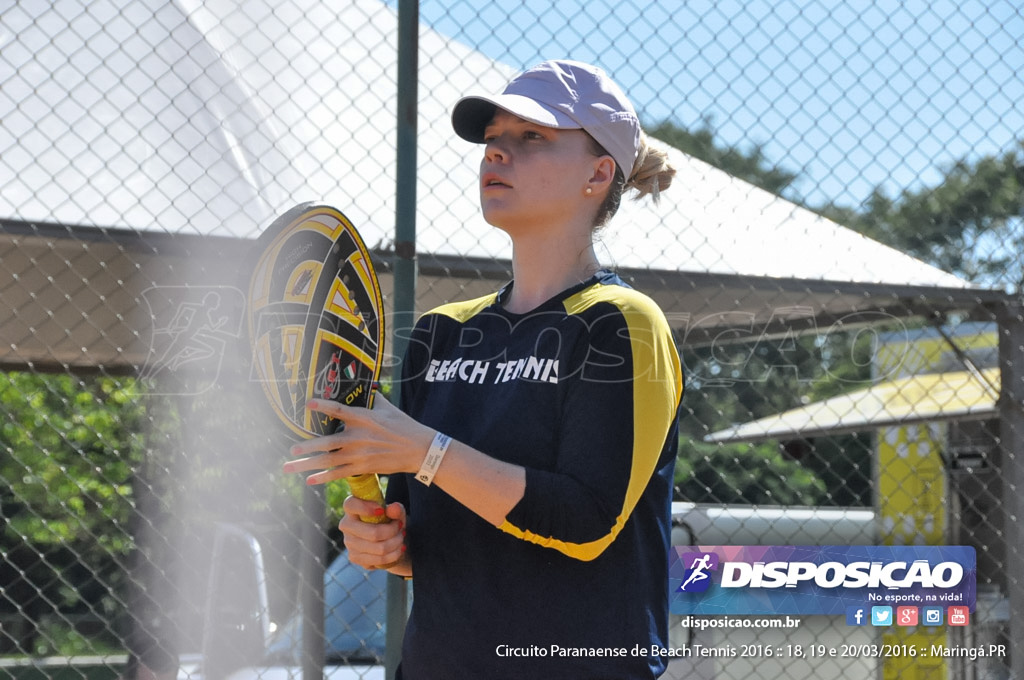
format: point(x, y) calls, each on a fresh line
point(372, 546)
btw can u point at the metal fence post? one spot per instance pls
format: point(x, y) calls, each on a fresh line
point(404, 266)
point(314, 549)
point(1011, 434)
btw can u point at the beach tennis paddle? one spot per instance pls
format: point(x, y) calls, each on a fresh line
point(315, 323)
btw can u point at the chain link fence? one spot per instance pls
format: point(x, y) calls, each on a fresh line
point(839, 258)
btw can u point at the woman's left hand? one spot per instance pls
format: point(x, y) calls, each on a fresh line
point(381, 440)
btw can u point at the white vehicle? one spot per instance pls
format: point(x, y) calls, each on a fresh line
point(240, 642)
point(771, 652)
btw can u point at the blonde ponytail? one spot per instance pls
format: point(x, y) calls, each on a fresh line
point(652, 172)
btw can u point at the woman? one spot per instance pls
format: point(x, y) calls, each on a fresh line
point(537, 535)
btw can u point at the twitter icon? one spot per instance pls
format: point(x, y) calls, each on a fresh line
point(881, 616)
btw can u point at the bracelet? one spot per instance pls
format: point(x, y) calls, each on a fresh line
point(435, 454)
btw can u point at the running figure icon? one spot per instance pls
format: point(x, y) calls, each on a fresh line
point(698, 571)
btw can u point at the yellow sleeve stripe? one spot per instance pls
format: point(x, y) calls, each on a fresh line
point(657, 389)
point(581, 551)
point(464, 310)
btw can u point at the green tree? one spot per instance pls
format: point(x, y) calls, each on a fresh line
point(969, 223)
point(68, 449)
point(752, 166)
point(95, 471)
point(735, 383)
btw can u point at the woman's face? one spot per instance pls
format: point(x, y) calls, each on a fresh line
point(535, 176)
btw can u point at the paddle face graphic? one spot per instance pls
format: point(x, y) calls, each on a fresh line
point(315, 316)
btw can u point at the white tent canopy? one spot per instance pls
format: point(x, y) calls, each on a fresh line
point(209, 119)
point(925, 398)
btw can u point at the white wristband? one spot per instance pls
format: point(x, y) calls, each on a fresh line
point(435, 454)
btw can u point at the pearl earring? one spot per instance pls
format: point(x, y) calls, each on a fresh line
point(588, 191)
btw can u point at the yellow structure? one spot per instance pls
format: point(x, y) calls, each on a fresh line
point(921, 384)
point(911, 485)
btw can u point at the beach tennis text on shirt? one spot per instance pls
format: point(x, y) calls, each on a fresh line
point(818, 579)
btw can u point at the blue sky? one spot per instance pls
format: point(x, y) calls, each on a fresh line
point(849, 95)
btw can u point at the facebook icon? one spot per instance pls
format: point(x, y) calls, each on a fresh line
point(855, 616)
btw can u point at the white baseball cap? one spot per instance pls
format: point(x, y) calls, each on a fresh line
point(567, 95)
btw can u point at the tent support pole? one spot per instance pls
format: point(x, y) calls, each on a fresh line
point(965, 360)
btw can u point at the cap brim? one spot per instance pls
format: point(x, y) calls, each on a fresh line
point(472, 114)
